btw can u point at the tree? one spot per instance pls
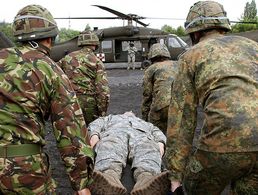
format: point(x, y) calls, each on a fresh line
point(67, 34)
point(87, 28)
point(250, 15)
point(250, 12)
point(6, 28)
point(180, 31)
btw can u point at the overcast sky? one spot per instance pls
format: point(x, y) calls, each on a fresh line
point(177, 9)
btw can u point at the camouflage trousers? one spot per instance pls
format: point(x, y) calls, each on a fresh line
point(131, 61)
point(26, 175)
point(209, 173)
point(115, 149)
point(159, 119)
point(89, 108)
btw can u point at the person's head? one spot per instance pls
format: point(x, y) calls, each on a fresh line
point(131, 44)
point(158, 52)
point(33, 24)
point(88, 38)
point(205, 16)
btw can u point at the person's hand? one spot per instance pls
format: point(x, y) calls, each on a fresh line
point(94, 140)
point(161, 148)
point(175, 185)
point(84, 191)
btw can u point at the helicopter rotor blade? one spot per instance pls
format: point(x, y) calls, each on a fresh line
point(122, 15)
point(82, 18)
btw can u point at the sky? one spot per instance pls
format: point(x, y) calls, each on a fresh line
point(176, 9)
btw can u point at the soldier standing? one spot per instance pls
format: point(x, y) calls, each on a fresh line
point(220, 73)
point(33, 88)
point(119, 137)
point(131, 56)
point(88, 76)
point(157, 83)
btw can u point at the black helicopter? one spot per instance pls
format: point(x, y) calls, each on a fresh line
point(115, 40)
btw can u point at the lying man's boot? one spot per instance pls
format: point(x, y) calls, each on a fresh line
point(148, 184)
point(106, 184)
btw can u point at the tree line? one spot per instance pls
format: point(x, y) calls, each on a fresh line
point(248, 21)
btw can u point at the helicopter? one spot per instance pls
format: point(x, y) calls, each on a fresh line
point(114, 41)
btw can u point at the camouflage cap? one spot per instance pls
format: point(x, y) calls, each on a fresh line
point(206, 15)
point(158, 49)
point(88, 38)
point(34, 22)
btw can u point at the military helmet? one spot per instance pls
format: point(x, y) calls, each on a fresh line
point(88, 38)
point(206, 15)
point(158, 49)
point(34, 22)
point(131, 44)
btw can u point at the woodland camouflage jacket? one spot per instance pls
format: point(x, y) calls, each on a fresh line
point(32, 88)
point(88, 76)
point(221, 74)
point(157, 83)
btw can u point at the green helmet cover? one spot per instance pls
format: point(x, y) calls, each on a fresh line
point(34, 22)
point(158, 49)
point(87, 38)
point(206, 15)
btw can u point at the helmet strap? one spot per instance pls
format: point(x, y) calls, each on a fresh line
point(33, 44)
point(39, 46)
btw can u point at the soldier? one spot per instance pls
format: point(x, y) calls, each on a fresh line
point(131, 56)
point(88, 77)
point(119, 137)
point(220, 73)
point(157, 82)
point(33, 88)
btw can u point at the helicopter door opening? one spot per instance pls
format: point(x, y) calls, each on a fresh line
point(120, 54)
point(106, 49)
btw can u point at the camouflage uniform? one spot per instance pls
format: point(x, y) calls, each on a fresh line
point(220, 73)
point(157, 83)
point(89, 80)
point(33, 88)
point(131, 56)
point(125, 137)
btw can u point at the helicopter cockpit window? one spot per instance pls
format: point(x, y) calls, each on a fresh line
point(173, 42)
point(106, 46)
point(182, 42)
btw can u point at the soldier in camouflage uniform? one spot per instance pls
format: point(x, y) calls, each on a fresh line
point(122, 137)
point(33, 88)
point(157, 83)
point(221, 74)
point(88, 77)
point(131, 56)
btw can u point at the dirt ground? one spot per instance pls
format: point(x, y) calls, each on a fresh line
point(126, 92)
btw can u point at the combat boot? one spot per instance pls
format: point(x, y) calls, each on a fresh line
point(106, 184)
point(147, 184)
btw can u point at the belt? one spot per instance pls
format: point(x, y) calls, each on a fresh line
point(19, 150)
